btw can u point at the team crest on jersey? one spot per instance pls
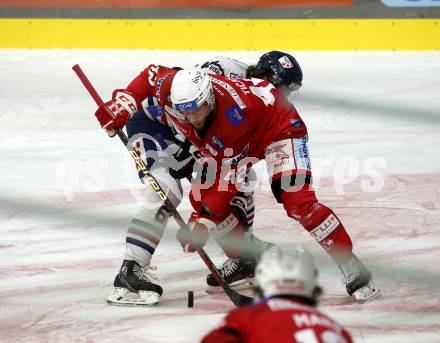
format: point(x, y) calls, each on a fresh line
point(285, 62)
point(235, 115)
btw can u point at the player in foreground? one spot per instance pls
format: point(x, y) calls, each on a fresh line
point(286, 283)
point(232, 124)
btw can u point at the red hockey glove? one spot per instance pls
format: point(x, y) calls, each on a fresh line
point(200, 226)
point(116, 112)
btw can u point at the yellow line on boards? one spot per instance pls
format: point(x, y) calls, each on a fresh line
point(222, 34)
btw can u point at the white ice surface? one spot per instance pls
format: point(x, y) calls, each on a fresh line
point(67, 193)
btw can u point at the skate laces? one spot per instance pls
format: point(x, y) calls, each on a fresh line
point(145, 273)
point(230, 266)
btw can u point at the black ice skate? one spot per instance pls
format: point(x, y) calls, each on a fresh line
point(133, 286)
point(237, 272)
point(357, 280)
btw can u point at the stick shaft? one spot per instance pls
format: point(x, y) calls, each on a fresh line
point(88, 85)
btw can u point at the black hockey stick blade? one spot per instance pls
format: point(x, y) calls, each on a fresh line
point(237, 298)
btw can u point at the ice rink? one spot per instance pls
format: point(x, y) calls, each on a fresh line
point(67, 193)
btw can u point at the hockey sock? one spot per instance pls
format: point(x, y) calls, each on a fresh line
point(144, 233)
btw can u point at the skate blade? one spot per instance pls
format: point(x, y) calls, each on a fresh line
point(239, 286)
point(123, 297)
point(367, 293)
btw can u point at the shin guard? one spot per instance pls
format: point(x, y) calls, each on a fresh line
point(319, 220)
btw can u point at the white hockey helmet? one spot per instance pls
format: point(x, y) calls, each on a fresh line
point(190, 89)
point(287, 272)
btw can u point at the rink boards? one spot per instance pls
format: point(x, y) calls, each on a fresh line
point(221, 34)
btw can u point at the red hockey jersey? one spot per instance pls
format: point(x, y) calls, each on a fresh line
point(249, 115)
point(278, 320)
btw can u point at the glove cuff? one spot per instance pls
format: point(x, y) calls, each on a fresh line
point(126, 100)
point(210, 225)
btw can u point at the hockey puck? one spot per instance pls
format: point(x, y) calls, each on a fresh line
point(190, 298)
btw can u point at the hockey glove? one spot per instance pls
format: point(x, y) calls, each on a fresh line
point(200, 227)
point(116, 112)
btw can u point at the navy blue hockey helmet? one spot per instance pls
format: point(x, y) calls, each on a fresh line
point(282, 70)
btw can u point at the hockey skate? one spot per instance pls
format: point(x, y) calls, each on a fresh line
point(357, 280)
point(237, 272)
point(133, 286)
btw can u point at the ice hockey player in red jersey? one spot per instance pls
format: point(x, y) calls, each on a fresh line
point(232, 123)
point(286, 282)
point(159, 144)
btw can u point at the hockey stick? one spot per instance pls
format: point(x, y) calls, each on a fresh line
point(237, 298)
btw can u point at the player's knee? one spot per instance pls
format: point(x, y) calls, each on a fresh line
point(289, 183)
point(299, 203)
point(150, 218)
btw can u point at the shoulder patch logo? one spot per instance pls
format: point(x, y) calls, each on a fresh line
point(235, 115)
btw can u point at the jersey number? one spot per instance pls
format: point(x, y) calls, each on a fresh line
point(310, 336)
